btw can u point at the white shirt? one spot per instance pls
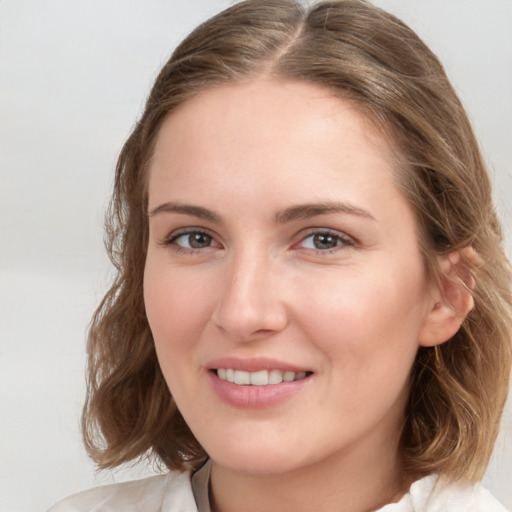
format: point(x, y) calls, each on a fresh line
point(177, 492)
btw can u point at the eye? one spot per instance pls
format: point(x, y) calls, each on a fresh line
point(325, 241)
point(191, 240)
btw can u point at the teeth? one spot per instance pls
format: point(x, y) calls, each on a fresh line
point(260, 378)
point(275, 377)
point(241, 377)
point(288, 376)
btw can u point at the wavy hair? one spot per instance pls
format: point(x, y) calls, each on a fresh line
point(361, 53)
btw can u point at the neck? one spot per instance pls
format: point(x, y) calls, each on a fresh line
point(357, 480)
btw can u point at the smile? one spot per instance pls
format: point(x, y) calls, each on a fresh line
point(259, 378)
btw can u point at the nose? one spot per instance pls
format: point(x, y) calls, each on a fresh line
point(251, 303)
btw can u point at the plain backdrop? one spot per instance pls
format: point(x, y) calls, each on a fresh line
point(73, 78)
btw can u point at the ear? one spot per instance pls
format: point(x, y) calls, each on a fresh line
point(452, 297)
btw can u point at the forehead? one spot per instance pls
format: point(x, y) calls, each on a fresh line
point(268, 118)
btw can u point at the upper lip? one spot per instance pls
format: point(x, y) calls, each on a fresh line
point(254, 364)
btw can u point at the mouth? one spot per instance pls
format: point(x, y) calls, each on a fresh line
point(259, 378)
point(258, 382)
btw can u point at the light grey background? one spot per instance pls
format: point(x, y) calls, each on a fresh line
point(73, 77)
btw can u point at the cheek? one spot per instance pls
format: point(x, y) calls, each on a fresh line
point(367, 324)
point(177, 308)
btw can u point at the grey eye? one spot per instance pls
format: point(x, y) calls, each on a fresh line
point(321, 241)
point(325, 241)
point(193, 240)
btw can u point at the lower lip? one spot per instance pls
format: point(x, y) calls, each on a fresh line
point(255, 397)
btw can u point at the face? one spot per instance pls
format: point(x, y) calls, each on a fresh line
point(283, 285)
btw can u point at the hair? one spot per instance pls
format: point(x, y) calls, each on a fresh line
point(365, 55)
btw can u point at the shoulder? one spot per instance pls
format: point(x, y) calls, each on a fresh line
point(171, 492)
point(432, 494)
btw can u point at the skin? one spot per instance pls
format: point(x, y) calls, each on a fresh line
point(259, 284)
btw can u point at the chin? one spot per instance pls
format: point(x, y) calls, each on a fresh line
point(262, 459)
point(266, 465)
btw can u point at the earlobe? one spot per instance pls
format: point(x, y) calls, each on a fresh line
point(452, 297)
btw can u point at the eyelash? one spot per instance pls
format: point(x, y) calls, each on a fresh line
point(342, 241)
point(171, 240)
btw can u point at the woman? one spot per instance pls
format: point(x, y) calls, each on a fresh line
point(312, 305)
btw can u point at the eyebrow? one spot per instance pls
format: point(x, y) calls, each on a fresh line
point(306, 211)
point(298, 212)
point(186, 209)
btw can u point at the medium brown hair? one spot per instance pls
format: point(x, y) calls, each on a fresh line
point(363, 54)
